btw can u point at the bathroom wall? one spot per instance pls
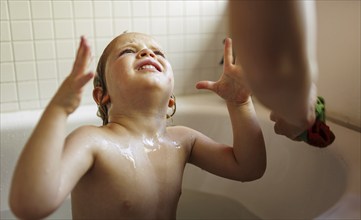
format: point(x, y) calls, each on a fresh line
point(339, 24)
point(39, 40)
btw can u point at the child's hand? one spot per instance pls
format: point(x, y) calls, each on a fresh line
point(231, 85)
point(68, 96)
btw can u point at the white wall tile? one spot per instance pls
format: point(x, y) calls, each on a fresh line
point(208, 7)
point(41, 9)
point(83, 9)
point(121, 9)
point(7, 72)
point(65, 49)
point(100, 45)
point(5, 31)
point(47, 88)
point(4, 10)
point(175, 25)
point(192, 25)
point(23, 50)
point(45, 50)
point(19, 10)
point(210, 24)
point(47, 35)
point(222, 7)
point(175, 43)
point(175, 8)
point(162, 41)
point(21, 30)
point(158, 8)
point(158, 26)
point(8, 92)
point(192, 8)
point(103, 27)
point(28, 90)
point(47, 69)
point(29, 105)
point(6, 52)
point(140, 8)
point(64, 29)
point(25, 71)
point(191, 60)
point(44, 102)
point(43, 29)
point(102, 9)
point(62, 9)
point(141, 25)
point(177, 60)
point(64, 68)
point(84, 27)
point(121, 25)
point(9, 107)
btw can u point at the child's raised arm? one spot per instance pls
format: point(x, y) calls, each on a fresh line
point(42, 177)
point(246, 160)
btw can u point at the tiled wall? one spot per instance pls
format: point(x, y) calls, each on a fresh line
point(39, 40)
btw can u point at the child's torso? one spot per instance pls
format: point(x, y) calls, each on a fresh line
point(132, 179)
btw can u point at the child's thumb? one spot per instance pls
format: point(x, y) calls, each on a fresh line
point(205, 85)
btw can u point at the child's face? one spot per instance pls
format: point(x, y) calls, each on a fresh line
point(136, 63)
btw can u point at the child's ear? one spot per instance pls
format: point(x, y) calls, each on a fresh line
point(98, 96)
point(171, 102)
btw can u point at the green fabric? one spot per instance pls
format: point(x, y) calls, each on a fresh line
point(320, 115)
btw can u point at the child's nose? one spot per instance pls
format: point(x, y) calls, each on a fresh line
point(146, 52)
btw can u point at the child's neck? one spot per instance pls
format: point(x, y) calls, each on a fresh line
point(147, 118)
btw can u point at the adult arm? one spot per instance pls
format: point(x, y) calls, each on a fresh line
point(275, 44)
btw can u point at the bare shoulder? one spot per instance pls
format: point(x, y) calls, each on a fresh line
point(87, 135)
point(180, 131)
point(85, 131)
point(186, 135)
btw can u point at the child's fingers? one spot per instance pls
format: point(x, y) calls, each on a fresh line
point(82, 57)
point(228, 53)
point(84, 79)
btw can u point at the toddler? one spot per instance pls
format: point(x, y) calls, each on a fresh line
point(132, 166)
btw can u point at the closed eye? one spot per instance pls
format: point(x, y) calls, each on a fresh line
point(159, 53)
point(126, 51)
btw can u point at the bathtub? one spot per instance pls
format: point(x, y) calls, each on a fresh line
point(301, 182)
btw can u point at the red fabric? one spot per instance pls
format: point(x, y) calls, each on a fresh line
point(320, 135)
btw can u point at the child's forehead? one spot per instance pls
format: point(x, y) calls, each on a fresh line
point(136, 38)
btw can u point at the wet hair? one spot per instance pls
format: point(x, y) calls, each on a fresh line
point(100, 81)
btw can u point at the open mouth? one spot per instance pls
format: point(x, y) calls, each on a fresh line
point(149, 65)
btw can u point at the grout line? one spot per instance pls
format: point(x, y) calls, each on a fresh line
point(35, 52)
point(13, 57)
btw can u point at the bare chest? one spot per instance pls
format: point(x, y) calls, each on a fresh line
point(135, 178)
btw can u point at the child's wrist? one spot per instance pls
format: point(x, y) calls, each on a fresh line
point(57, 109)
point(246, 101)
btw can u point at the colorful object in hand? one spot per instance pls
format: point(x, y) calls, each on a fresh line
point(319, 135)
